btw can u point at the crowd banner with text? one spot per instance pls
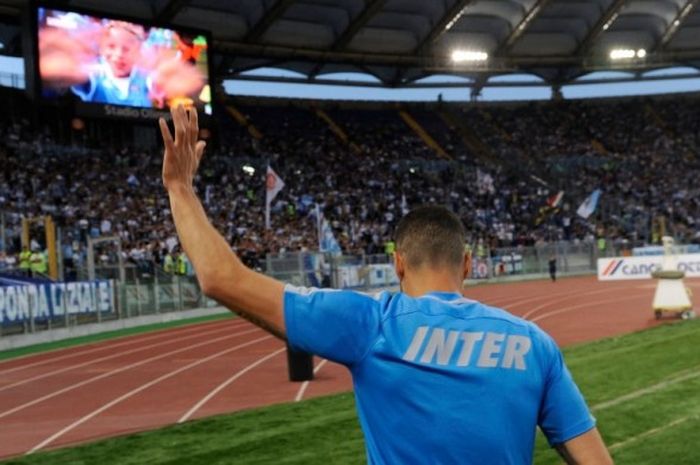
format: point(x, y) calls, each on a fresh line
point(41, 302)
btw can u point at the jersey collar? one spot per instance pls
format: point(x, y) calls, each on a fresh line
point(448, 296)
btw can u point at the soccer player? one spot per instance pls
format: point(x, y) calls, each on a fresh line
point(438, 378)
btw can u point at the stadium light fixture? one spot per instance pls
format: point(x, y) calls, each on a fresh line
point(627, 54)
point(461, 56)
point(622, 54)
point(249, 170)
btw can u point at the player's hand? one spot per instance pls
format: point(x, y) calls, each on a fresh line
point(171, 77)
point(64, 59)
point(183, 154)
point(175, 78)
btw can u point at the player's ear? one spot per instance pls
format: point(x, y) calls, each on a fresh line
point(399, 265)
point(467, 265)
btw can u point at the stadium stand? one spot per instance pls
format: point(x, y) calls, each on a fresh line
point(363, 184)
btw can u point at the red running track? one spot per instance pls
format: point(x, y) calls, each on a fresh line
point(150, 380)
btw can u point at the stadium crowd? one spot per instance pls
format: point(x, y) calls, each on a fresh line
point(640, 153)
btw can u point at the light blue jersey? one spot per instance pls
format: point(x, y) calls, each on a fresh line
point(102, 87)
point(441, 379)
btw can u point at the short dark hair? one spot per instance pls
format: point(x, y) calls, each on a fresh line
point(431, 235)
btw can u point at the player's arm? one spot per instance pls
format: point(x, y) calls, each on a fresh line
point(586, 449)
point(564, 416)
point(221, 275)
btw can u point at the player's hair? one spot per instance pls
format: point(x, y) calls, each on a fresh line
point(431, 235)
point(136, 30)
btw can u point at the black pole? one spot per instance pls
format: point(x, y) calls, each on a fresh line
point(300, 365)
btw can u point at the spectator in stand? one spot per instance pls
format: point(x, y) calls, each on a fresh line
point(578, 146)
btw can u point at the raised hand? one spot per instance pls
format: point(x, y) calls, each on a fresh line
point(183, 154)
point(171, 77)
point(64, 59)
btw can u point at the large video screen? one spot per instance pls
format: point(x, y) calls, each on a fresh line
point(110, 61)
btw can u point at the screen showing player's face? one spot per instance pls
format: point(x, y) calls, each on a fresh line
point(112, 61)
point(120, 49)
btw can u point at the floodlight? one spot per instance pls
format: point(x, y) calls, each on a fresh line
point(622, 54)
point(460, 56)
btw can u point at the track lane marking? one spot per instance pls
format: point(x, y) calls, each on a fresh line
point(587, 304)
point(503, 302)
point(139, 389)
point(221, 386)
point(133, 338)
point(118, 370)
point(110, 357)
point(569, 296)
point(305, 384)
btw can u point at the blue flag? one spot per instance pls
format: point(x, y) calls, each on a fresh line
point(588, 207)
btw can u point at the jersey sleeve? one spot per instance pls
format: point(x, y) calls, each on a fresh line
point(563, 414)
point(338, 325)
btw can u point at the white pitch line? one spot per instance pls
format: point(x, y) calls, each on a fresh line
point(137, 390)
point(651, 432)
point(670, 380)
point(118, 370)
point(305, 384)
point(233, 378)
point(626, 348)
point(587, 304)
point(110, 357)
point(104, 345)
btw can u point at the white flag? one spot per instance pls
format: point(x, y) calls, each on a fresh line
point(588, 206)
point(273, 185)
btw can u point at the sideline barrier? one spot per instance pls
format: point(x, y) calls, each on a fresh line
point(313, 269)
point(627, 268)
point(61, 333)
point(659, 250)
point(366, 276)
point(41, 302)
point(28, 308)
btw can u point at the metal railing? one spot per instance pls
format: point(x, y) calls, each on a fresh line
point(148, 290)
point(139, 296)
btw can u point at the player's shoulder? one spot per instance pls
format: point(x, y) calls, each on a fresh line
point(341, 296)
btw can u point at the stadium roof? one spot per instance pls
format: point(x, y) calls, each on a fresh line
point(401, 41)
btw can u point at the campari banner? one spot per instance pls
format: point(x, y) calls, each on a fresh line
point(620, 268)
